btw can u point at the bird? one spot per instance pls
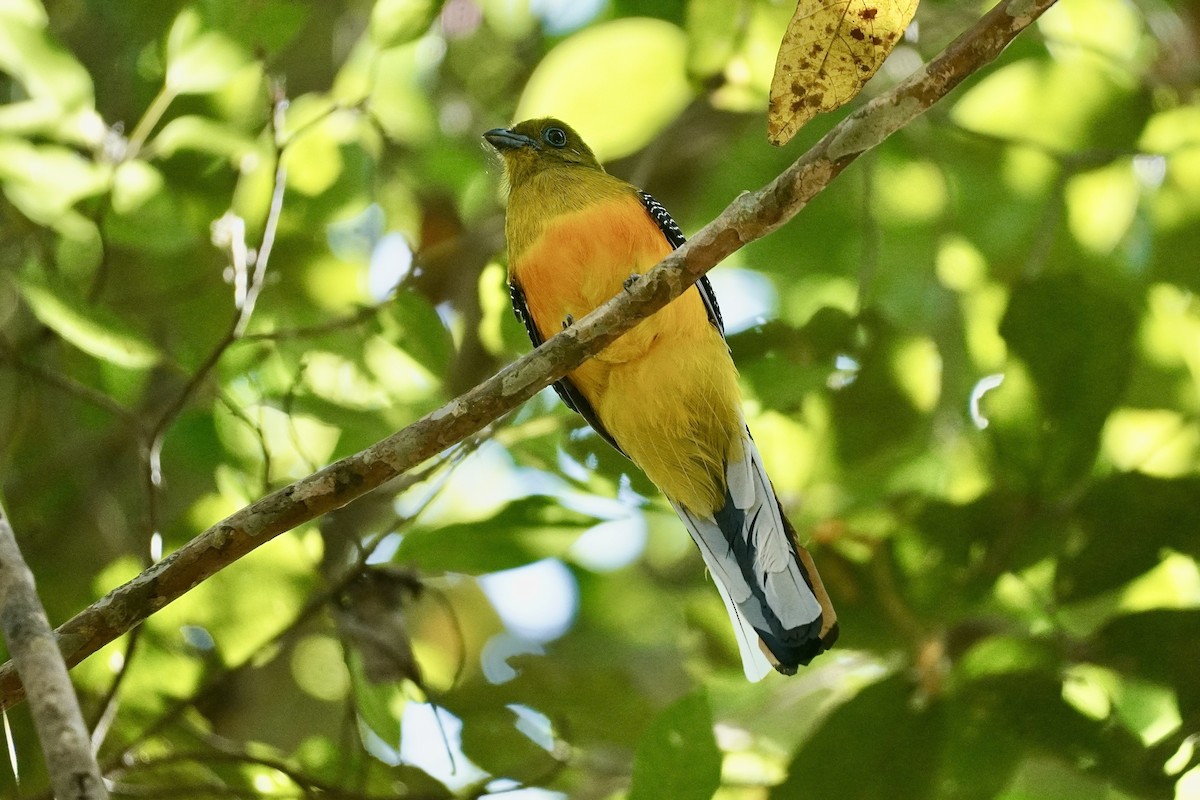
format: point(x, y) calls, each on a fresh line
point(666, 392)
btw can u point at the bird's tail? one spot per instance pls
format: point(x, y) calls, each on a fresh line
point(774, 596)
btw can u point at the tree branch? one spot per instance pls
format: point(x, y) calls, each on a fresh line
point(66, 745)
point(749, 217)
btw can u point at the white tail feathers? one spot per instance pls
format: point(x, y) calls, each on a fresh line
point(780, 612)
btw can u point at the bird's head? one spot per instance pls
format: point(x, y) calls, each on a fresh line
point(539, 144)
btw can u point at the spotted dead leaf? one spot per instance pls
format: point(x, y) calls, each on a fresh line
point(831, 48)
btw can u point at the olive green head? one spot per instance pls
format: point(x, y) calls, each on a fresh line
point(538, 144)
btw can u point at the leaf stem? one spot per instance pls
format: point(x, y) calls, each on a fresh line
point(158, 107)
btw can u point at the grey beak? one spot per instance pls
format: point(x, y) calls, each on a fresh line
point(505, 139)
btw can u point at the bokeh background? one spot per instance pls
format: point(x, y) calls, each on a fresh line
point(972, 366)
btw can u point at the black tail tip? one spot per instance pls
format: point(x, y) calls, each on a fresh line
point(815, 648)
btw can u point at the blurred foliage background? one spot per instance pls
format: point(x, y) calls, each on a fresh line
point(972, 365)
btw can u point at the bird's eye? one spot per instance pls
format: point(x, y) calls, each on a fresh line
point(555, 137)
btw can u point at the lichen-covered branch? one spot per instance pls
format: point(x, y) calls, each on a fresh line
point(60, 727)
point(749, 217)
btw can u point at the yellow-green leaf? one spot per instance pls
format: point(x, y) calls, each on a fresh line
point(634, 68)
point(45, 181)
point(395, 22)
point(90, 330)
point(202, 135)
point(199, 60)
point(830, 50)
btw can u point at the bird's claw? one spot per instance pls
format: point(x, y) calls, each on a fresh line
point(631, 280)
point(568, 321)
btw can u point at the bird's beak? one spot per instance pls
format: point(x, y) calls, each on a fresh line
point(504, 139)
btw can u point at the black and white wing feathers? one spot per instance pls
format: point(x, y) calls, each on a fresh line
point(676, 238)
point(566, 390)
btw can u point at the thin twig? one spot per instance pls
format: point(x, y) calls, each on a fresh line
point(336, 325)
point(68, 385)
point(107, 710)
point(244, 308)
point(748, 218)
point(272, 225)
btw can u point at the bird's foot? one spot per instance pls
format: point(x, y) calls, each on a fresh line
point(631, 280)
point(568, 321)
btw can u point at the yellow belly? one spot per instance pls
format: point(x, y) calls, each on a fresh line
point(667, 389)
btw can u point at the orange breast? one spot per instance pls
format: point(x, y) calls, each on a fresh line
point(667, 389)
point(583, 258)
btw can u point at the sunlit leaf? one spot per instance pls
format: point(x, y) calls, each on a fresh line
point(29, 12)
point(134, 182)
point(1052, 104)
point(199, 60)
point(397, 99)
point(45, 181)
point(677, 756)
point(713, 27)
point(202, 135)
point(91, 330)
point(998, 721)
point(395, 22)
point(47, 71)
point(413, 323)
point(830, 50)
point(643, 76)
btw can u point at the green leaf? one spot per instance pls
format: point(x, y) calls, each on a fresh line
point(53, 80)
point(524, 531)
point(955, 552)
point(875, 417)
point(379, 705)
point(396, 22)
point(134, 183)
point(46, 181)
point(199, 60)
point(713, 28)
point(1161, 645)
point(201, 135)
point(896, 745)
point(492, 738)
point(1077, 340)
point(997, 722)
point(571, 83)
point(416, 782)
point(29, 12)
point(412, 322)
point(91, 329)
point(1126, 521)
point(677, 757)
point(783, 363)
point(264, 26)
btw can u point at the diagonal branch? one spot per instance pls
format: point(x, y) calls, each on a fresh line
point(751, 216)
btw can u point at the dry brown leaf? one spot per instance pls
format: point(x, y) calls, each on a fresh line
point(830, 49)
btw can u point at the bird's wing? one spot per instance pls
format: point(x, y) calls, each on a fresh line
point(676, 239)
point(566, 390)
point(772, 592)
